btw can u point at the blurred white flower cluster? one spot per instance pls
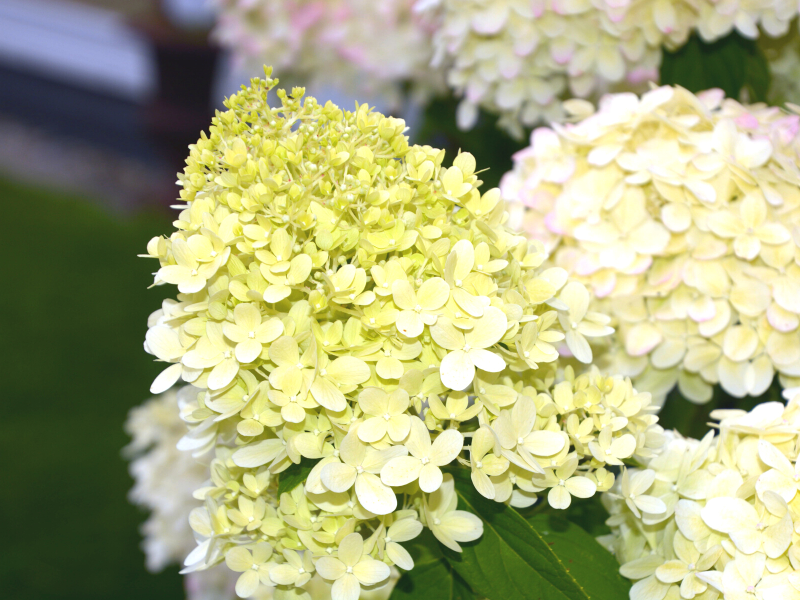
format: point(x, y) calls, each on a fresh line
point(716, 518)
point(682, 214)
point(520, 57)
point(368, 47)
point(353, 317)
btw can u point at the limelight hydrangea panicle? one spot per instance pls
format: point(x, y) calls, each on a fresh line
point(369, 46)
point(520, 57)
point(680, 213)
point(717, 517)
point(350, 306)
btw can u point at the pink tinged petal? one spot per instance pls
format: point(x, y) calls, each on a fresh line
point(375, 496)
point(370, 571)
point(642, 339)
point(457, 370)
point(338, 477)
point(430, 478)
point(330, 568)
point(487, 361)
point(781, 319)
point(401, 471)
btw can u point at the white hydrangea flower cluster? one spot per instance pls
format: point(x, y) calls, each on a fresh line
point(164, 478)
point(367, 46)
point(520, 57)
point(716, 518)
point(349, 312)
point(680, 212)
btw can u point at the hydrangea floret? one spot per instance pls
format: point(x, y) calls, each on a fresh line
point(354, 312)
point(520, 57)
point(679, 212)
point(714, 518)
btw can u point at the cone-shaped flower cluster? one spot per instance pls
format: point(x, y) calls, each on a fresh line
point(359, 45)
point(715, 518)
point(518, 57)
point(349, 311)
point(681, 214)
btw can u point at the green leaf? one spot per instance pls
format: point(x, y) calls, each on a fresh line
point(515, 560)
point(294, 475)
point(586, 559)
point(492, 147)
point(432, 577)
point(733, 63)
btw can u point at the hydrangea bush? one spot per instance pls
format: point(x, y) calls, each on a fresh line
point(357, 325)
point(679, 212)
point(520, 58)
point(714, 518)
point(334, 41)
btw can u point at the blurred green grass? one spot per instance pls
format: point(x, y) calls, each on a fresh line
point(74, 303)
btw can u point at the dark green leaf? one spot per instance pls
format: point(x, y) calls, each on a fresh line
point(515, 561)
point(432, 577)
point(295, 475)
point(586, 559)
point(733, 64)
point(692, 420)
point(492, 147)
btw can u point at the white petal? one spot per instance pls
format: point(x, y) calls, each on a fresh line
point(375, 496)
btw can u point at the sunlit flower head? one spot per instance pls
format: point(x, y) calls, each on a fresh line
point(715, 518)
point(680, 214)
point(355, 320)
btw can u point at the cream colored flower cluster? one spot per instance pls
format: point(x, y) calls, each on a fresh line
point(520, 57)
point(715, 518)
point(349, 311)
point(680, 212)
point(372, 47)
point(164, 478)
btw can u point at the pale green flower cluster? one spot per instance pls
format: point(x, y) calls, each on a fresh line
point(716, 518)
point(349, 311)
point(520, 57)
point(680, 213)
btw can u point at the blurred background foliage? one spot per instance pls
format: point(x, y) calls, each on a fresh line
point(86, 179)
